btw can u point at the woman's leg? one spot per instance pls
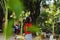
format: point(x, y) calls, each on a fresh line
point(28, 37)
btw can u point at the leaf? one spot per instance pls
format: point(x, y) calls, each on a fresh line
point(58, 4)
point(34, 29)
point(16, 6)
point(9, 29)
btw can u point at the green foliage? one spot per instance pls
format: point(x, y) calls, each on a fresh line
point(43, 16)
point(34, 0)
point(34, 29)
point(8, 31)
point(58, 4)
point(48, 18)
point(16, 6)
point(57, 30)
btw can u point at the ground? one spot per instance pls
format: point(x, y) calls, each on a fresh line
point(2, 37)
point(13, 37)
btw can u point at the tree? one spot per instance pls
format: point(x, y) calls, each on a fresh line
point(48, 18)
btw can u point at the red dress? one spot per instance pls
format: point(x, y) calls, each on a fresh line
point(25, 28)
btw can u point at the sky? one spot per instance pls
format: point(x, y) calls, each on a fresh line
point(48, 1)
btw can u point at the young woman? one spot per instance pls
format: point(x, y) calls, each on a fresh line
point(28, 34)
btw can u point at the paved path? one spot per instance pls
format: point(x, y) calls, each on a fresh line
point(2, 37)
point(12, 37)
